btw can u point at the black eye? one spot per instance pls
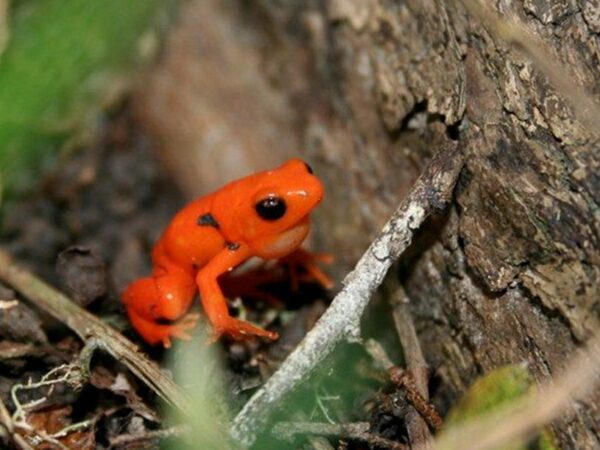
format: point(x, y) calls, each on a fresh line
point(308, 168)
point(271, 208)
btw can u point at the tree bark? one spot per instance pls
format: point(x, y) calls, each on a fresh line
point(372, 89)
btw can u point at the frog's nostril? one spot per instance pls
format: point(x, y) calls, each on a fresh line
point(308, 168)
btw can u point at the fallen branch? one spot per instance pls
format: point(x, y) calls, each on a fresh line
point(341, 321)
point(358, 431)
point(91, 330)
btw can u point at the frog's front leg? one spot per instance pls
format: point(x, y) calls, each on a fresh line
point(212, 297)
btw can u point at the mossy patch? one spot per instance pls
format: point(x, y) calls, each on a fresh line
point(493, 391)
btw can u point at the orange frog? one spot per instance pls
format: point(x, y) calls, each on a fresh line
point(264, 215)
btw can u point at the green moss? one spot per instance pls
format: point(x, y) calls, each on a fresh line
point(61, 59)
point(546, 440)
point(492, 391)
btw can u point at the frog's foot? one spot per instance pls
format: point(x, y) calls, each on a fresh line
point(180, 329)
point(303, 266)
point(240, 330)
point(155, 333)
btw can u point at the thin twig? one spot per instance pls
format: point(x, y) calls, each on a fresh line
point(377, 352)
point(13, 350)
point(138, 438)
point(411, 348)
point(7, 422)
point(523, 418)
point(358, 431)
point(21, 442)
point(418, 431)
point(13, 436)
point(78, 426)
point(424, 408)
point(40, 437)
point(65, 373)
point(89, 327)
point(5, 418)
point(320, 443)
point(341, 321)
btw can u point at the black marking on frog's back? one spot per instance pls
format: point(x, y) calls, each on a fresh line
point(207, 220)
point(232, 246)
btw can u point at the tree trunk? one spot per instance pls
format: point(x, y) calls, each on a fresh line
point(371, 89)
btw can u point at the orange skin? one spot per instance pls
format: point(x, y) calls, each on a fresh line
point(212, 235)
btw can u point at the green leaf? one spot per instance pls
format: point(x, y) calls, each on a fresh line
point(197, 368)
point(493, 391)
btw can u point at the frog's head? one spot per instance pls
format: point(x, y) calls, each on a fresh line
point(269, 210)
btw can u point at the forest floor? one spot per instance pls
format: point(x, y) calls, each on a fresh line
point(88, 229)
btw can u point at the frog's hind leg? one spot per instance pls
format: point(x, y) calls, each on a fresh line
point(157, 332)
point(156, 304)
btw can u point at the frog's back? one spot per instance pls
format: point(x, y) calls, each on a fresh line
point(190, 240)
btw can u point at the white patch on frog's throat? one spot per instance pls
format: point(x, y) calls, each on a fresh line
point(287, 241)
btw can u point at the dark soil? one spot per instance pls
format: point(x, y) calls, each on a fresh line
point(87, 228)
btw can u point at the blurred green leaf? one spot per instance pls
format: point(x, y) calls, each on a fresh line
point(495, 390)
point(197, 369)
point(62, 59)
point(3, 25)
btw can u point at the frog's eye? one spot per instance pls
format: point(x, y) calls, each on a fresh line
point(271, 208)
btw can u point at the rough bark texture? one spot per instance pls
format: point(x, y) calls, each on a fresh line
point(371, 89)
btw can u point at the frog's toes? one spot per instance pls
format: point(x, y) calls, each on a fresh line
point(166, 341)
point(181, 329)
point(239, 329)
